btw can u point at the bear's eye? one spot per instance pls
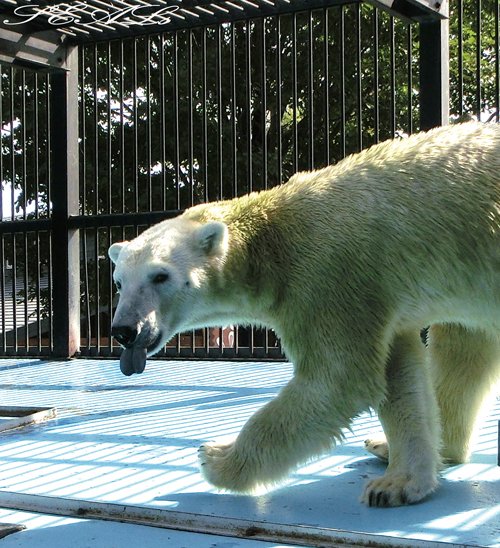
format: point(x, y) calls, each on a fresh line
point(118, 285)
point(160, 278)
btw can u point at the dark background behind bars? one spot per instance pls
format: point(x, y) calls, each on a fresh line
point(175, 119)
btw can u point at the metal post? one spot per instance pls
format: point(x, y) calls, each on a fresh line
point(434, 74)
point(65, 190)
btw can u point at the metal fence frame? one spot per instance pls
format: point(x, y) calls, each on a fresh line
point(66, 223)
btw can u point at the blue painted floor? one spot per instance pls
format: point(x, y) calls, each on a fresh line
point(134, 441)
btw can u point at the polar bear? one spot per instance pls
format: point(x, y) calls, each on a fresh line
point(346, 264)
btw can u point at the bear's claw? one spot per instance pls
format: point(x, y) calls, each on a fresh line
point(396, 490)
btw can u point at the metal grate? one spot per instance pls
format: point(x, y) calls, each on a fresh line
point(175, 119)
point(475, 59)
point(25, 249)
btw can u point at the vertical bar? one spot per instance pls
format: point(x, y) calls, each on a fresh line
point(249, 104)
point(279, 99)
point(11, 148)
point(359, 91)
point(234, 127)
point(83, 149)
point(410, 77)
point(176, 119)
point(460, 37)
point(23, 142)
point(96, 132)
point(66, 277)
point(326, 55)
point(310, 89)
point(478, 59)
point(393, 75)
point(122, 126)
point(177, 161)
point(36, 144)
point(342, 81)
point(163, 118)
point(14, 292)
point(136, 128)
point(190, 119)
point(376, 81)
point(25, 291)
point(294, 94)
point(148, 126)
point(434, 74)
point(264, 103)
point(205, 116)
point(497, 65)
point(48, 101)
point(97, 209)
point(218, 80)
point(109, 151)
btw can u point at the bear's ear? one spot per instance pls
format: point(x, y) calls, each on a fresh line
point(115, 250)
point(212, 238)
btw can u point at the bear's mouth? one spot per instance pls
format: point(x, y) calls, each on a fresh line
point(133, 359)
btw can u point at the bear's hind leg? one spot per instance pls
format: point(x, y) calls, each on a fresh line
point(410, 419)
point(466, 364)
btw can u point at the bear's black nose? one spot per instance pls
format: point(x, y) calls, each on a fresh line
point(124, 334)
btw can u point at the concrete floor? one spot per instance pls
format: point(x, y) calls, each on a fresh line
point(133, 441)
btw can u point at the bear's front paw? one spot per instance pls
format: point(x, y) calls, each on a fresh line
point(224, 467)
point(396, 490)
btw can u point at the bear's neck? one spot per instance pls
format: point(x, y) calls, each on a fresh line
point(251, 281)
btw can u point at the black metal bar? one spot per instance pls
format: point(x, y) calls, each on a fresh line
point(479, 54)
point(66, 279)
point(376, 80)
point(121, 87)
point(263, 49)
point(163, 125)
point(136, 128)
point(234, 126)
point(342, 82)
point(497, 65)
point(359, 89)
point(310, 89)
point(95, 159)
point(148, 124)
point(12, 140)
point(205, 114)
point(409, 46)
point(326, 70)
point(279, 101)
point(248, 52)
point(434, 74)
point(460, 42)
point(25, 291)
point(23, 143)
point(176, 119)
point(48, 100)
point(393, 75)
point(14, 292)
point(220, 142)
point(109, 148)
point(190, 118)
point(294, 95)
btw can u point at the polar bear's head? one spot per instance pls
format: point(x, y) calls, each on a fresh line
point(160, 277)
